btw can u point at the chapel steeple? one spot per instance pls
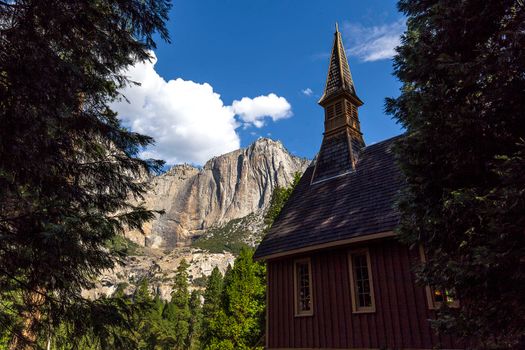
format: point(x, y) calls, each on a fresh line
point(342, 139)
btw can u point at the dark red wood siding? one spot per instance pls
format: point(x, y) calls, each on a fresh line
point(400, 319)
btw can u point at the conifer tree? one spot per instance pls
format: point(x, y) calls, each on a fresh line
point(67, 165)
point(177, 311)
point(280, 196)
point(212, 304)
point(158, 305)
point(240, 322)
point(195, 320)
point(144, 316)
point(462, 64)
point(142, 294)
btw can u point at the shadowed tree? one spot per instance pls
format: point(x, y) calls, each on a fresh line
point(67, 166)
point(462, 64)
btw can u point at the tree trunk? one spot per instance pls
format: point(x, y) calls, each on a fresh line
point(26, 339)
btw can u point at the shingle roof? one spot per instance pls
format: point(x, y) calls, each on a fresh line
point(337, 155)
point(339, 77)
point(359, 203)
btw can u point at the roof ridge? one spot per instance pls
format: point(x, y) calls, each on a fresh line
point(380, 143)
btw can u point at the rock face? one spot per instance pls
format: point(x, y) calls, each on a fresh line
point(228, 187)
point(159, 270)
point(222, 204)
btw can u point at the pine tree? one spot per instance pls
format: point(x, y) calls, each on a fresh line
point(177, 311)
point(158, 305)
point(212, 305)
point(280, 196)
point(67, 165)
point(195, 320)
point(462, 64)
point(145, 318)
point(240, 322)
point(142, 294)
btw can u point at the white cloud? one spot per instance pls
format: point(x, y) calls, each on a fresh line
point(188, 120)
point(307, 92)
point(255, 110)
point(374, 43)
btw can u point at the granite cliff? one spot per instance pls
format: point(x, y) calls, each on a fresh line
point(209, 214)
point(231, 186)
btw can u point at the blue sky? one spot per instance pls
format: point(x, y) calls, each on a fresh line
point(277, 50)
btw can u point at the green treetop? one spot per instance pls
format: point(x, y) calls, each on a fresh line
point(177, 311)
point(195, 320)
point(240, 322)
point(280, 196)
point(212, 304)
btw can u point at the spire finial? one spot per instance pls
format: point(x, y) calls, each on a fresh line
point(339, 77)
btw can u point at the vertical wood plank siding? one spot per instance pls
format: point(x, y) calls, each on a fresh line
point(400, 319)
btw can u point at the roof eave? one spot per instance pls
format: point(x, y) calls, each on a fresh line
point(332, 244)
point(326, 99)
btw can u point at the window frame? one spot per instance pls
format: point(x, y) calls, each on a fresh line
point(297, 311)
point(432, 304)
point(356, 309)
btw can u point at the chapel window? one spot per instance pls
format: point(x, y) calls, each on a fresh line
point(303, 287)
point(361, 281)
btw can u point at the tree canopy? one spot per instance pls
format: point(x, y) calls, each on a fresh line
point(237, 321)
point(462, 65)
point(67, 166)
point(280, 196)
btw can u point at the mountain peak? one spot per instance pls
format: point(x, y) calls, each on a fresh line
point(263, 146)
point(229, 186)
point(266, 140)
point(263, 143)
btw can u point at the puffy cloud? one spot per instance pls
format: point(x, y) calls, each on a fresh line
point(188, 120)
point(255, 110)
point(307, 92)
point(376, 42)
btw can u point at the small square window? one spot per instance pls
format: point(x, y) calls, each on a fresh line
point(362, 289)
point(303, 287)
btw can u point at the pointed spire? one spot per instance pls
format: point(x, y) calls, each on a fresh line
point(342, 138)
point(339, 78)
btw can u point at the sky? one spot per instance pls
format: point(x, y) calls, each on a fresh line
point(237, 70)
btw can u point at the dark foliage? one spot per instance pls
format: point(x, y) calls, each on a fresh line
point(67, 165)
point(462, 64)
point(149, 328)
